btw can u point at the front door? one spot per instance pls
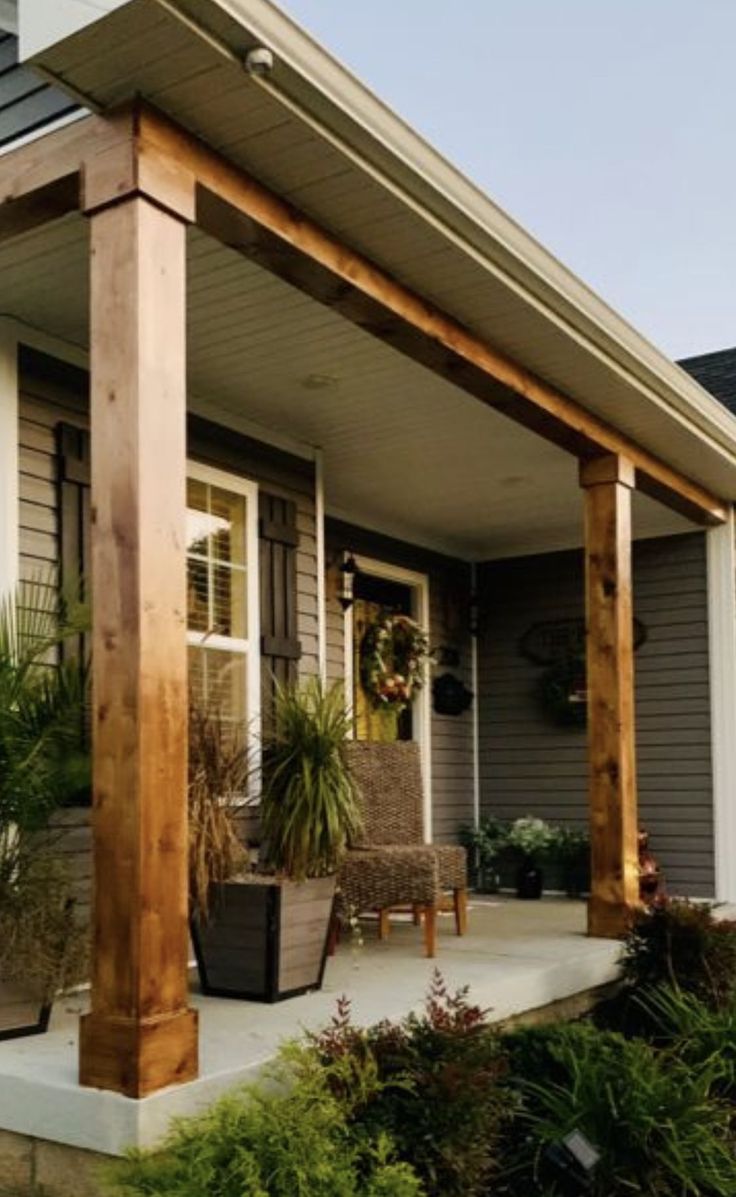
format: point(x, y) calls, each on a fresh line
point(373, 597)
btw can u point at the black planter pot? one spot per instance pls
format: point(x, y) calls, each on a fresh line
point(20, 1013)
point(265, 939)
point(529, 882)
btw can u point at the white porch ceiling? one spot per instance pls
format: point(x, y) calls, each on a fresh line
point(405, 452)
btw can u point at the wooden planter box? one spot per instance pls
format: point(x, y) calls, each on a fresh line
point(265, 939)
point(20, 1014)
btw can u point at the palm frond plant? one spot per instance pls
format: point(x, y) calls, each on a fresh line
point(309, 806)
point(44, 764)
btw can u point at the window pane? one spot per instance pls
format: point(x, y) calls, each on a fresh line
point(229, 602)
point(228, 512)
point(197, 518)
point(217, 682)
point(198, 619)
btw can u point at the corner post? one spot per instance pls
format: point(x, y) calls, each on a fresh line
point(141, 1034)
point(721, 557)
point(608, 482)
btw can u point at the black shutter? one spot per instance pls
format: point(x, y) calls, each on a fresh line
point(280, 647)
point(74, 482)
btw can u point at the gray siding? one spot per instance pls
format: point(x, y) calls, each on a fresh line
point(528, 765)
point(26, 102)
point(48, 397)
point(449, 586)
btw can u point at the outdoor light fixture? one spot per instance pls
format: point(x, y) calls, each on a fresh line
point(348, 570)
point(575, 1160)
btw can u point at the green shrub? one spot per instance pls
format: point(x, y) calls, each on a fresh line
point(652, 1118)
point(683, 944)
point(438, 1096)
point(289, 1139)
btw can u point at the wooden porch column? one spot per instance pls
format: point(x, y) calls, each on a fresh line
point(608, 482)
point(141, 1034)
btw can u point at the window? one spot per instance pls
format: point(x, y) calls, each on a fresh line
point(222, 597)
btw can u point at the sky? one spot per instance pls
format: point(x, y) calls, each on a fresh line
point(607, 128)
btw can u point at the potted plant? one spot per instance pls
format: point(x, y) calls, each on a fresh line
point(485, 844)
point(43, 764)
point(264, 933)
point(43, 946)
point(530, 837)
point(571, 846)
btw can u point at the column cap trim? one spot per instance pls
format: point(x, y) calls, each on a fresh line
point(612, 467)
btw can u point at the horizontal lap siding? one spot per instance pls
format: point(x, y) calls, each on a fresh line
point(449, 588)
point(528, 765)
point(27, 103)
point(43, 404)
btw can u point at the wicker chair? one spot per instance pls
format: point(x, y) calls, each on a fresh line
point(391, 865)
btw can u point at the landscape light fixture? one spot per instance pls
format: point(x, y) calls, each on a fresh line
point(575, 1160)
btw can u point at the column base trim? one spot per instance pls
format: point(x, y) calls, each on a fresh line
point(137, 1057)
point(610, 920)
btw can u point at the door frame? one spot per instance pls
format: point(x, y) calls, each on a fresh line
point(422, 706)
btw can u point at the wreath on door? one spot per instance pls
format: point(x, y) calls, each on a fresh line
point(394, 651)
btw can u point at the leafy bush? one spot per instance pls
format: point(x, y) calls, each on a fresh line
point(651, 1117)
point(290, 1139)
point(682, 944)
point(438, 1096)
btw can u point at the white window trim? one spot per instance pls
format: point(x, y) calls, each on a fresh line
point(721, 551)
point(252, 645)
point(422, 706)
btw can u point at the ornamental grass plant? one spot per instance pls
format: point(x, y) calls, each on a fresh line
point(309, 804)
point(219, 771)
point(656, 1122)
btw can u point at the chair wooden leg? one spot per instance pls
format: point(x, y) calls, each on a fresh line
point(460, 898)
point(430, 931)
point(417, 915)
point(384, 924)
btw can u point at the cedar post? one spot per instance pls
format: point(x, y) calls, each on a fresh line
point(140, 1034)
point(608, 482)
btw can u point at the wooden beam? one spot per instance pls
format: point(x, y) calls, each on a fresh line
point(608, 483)
point(40, 181)
point(241, 212)
point(140, 1034)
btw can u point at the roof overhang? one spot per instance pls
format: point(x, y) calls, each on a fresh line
point(417, 217)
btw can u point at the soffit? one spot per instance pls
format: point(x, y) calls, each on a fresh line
point(405, 452)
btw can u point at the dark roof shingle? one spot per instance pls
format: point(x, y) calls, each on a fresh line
point(716, 372)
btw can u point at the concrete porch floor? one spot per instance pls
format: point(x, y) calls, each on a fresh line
point(516, 957)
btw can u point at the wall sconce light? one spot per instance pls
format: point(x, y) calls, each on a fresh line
point(348, 570)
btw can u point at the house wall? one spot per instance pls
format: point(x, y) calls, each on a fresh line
point(449, 588)
point(27, 104)
point(50, 392)
point(529, 765)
